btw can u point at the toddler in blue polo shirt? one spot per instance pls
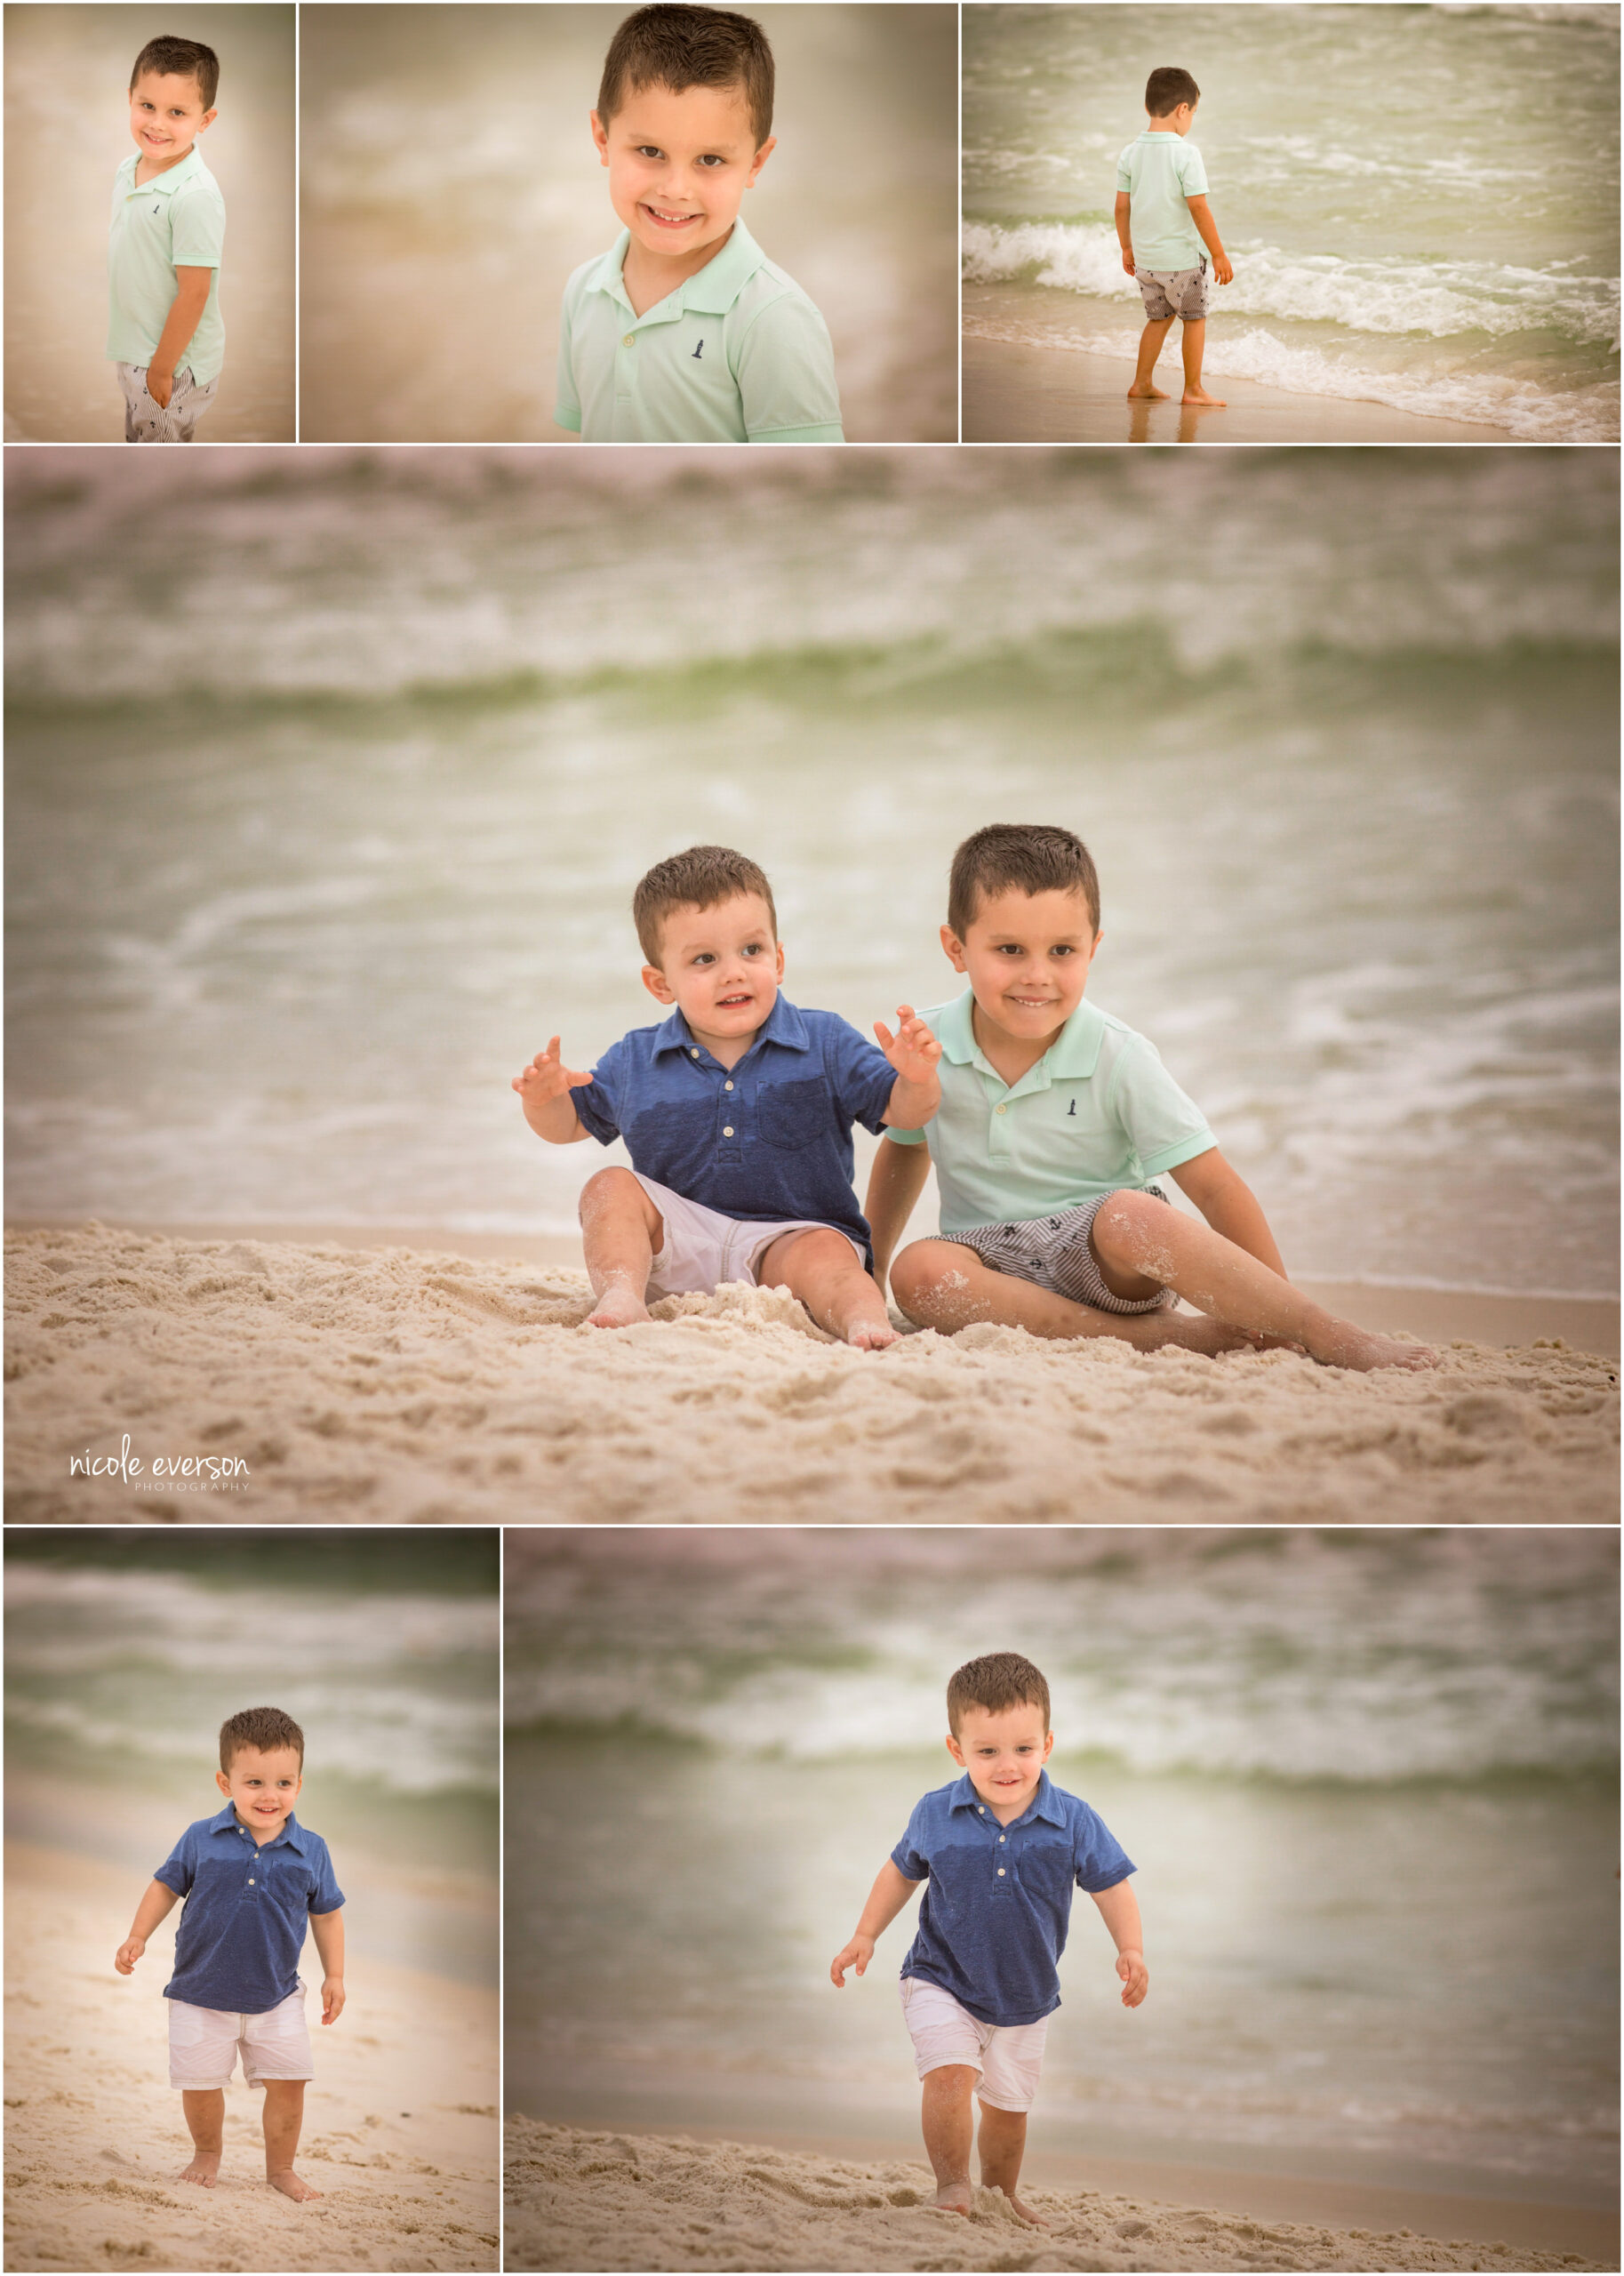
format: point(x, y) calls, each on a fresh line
point(737, 1112)
point(1055, 1121)
point(251, 1877)
point(1001, 1849)
point(684, 332)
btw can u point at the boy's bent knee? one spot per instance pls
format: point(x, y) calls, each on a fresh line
point(610, 1188)
point(920, 1269)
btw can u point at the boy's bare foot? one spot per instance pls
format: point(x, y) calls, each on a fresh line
point(871, 1336)
point(1147, 393)
point(953, 2197)
point(618, 1307)
point(1200, 396)
point(1354, 1347)
point(1024, 2212)
point(203, 2169)
point(288, 2182)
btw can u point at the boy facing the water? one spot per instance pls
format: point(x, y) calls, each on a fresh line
point(737, 1111)
point(1055, 1120)
point(251, 1877)
point(165, 335)
point(684, 332)
point(1002, 1850)
point(1162, 221)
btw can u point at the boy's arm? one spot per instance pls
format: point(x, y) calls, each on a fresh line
point(544, 1088)
point(1119, 1911)
point(155, 1906)
point(328, 1930)
point(889, 1893)
point(914, 1052)
point(1201, 214)
point(1124, 228)
point(895, 1184)
point(185, 314)
point(1229, 1206)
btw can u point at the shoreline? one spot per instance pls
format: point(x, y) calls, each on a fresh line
point(689, 2197)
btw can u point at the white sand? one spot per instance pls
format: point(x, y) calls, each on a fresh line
point(400, 2123)
point(370, 1386)
point(587, 2201)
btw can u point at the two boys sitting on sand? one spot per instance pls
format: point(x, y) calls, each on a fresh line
point(1048, 1121)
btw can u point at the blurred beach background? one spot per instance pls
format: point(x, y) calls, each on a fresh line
point(1421, 203)
point(431, 275)
point(67, 133)
point(315, 839)
point(1369, 1780)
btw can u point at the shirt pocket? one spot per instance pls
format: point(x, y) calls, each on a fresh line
point(1045, 1874)
point(791, 1114)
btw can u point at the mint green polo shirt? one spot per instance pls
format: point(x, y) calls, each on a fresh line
point(735, 353)
point(175, 221)
point(1160, 173)
point(1098, 1111)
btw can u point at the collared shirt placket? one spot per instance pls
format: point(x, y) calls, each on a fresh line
point(732, 1100)
point(1003, 1846)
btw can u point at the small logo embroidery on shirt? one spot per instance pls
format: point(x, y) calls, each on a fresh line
point(698, 352)
point(1072, 1108)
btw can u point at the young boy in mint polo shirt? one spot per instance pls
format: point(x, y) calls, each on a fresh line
point(1162, 220)
point(1055, 1120)
point(684, 332)
point(164, 332)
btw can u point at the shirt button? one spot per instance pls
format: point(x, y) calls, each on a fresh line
point(628, 340)
point(1000, 1872)
point(1004, 1836)
point(727, 1086)
point(981, 1810)
point(693, 1054)
point(727, 1130)
point(250, 1880)
point(1004, 1109)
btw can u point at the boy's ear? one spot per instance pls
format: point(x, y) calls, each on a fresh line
point(953, 947)
point(760, 160)
point(600, 136)
point(955, 1750)
point(223, 1782)
point(657, 984)
point(207, 119)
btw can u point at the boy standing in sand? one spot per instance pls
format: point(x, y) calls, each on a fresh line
point(737, 1111)
point(684, 332)
point(1002, 1850)
point(164, 333)
point(251, 1877)
point(1054, 1120)
point(1162, 221)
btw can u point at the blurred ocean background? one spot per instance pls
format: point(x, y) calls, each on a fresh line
point(124, 1653)
point(1421, 203)
point(319, 828)
point(1370, 1782)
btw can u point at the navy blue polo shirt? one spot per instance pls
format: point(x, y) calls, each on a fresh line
point(764, 1139)
point(993, 1922)
point(242, 1925)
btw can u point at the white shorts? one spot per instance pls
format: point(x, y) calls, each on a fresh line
point(1006, 2057)
point(204, 2043)
point(702, 1248)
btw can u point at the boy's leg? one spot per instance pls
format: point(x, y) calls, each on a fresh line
point(1194, 345)
point(1149, 348)
point(1003, 2142)
point(1141, 1244)
point(942, 1285)
point(284, 2113)
point(821, 1267)
point(621, 1232)
point(205, 2121)
point(949, 2127)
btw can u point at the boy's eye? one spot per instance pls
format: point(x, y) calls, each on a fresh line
point(647, 150)
point(711, 159)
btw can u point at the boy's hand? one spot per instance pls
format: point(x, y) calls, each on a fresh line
point(1127, 260)
point(1223, 269)
point(913, 1051)
point(1135, 1975)
point(547, 1078)
point(857, 1954)
point(128, 1953)
point(332, 1999)
point(160, 385)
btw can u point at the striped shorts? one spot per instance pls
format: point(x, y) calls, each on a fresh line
point(1054, 1252)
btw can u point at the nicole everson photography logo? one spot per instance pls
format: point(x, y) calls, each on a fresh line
point(201, 1474)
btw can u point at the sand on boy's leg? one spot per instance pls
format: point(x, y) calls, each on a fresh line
point(285, 2111)
point(205, 2121)
point(818, 1266)
point(1002, 2143)
point(621, 1233)
point(949, 2128)
point(942, 1285)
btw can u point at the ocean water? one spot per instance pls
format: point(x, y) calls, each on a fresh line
point(124, 1658)
point(1370, 1784)
point(316, 838)
point(1421, 203)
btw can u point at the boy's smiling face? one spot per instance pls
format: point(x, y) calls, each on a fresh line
point(166, 116)
point(1026, 955)
point(1004, 1754)
point(678, 167)
point(721, 968)
point(262, 1789)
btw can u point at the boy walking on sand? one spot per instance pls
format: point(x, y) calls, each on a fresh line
point(684, 332)
point(251, 1877)
point(1162, 221)
point(1001, 1849)
point(737, 1111)
point(1055, 1119)
point(164, 332)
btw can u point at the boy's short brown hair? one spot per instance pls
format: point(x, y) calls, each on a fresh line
point(702, 878)
point(1000, 1681)
point(1166, 88)
point(266, 1729)
point(680, 47)
point(1029, 856)
point(180, 59)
